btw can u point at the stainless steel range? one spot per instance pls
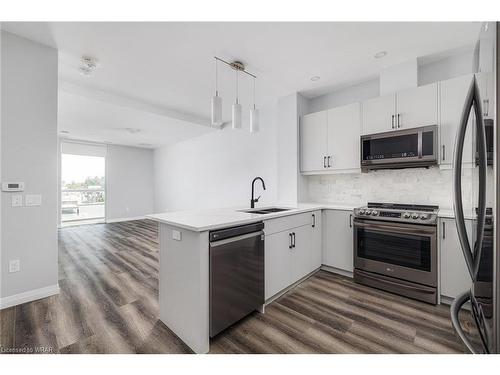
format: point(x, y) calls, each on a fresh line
point(395, 249)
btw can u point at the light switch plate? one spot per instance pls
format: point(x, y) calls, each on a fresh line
point(33, 200)
point(17, 200)
point(14, 265)
point(176, 235)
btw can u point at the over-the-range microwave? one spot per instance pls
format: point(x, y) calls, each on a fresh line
point(416, 147)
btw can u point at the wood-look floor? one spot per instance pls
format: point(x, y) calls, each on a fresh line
point(109, 304)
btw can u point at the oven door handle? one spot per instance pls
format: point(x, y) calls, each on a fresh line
point(401, 229)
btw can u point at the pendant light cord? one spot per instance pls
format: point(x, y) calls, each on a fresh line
point(216, 79)
point(237, 92)
point(254, 93)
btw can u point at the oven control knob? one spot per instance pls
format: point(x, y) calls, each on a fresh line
point(406, 215)
point(414, 215)
point(424, 216)
point(368, 212)
point(361, 212)
point(374, 213)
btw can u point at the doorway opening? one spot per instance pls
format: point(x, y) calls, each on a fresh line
point(83, 186)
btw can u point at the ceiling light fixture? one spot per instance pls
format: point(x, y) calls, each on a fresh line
point(133, 130)
point(315, 78)
point(88, 65)
point(236, 108)
point(380, 54)
point(64, 132)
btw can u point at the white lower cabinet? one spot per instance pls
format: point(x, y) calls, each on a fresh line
point(338, 239)
point(316, 240)
point(292, 252)
point(453, 270)
point(278, 263)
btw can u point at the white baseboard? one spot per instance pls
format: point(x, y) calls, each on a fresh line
point(125, 219)
point(29, 296)
point(337, 271)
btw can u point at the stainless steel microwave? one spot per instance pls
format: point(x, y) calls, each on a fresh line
point(416, 147)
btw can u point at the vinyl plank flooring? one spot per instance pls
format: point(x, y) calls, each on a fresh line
point(108, 276)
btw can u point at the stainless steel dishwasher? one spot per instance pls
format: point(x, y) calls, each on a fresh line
point(236, 274)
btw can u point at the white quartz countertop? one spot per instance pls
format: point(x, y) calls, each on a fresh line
point(203, 220)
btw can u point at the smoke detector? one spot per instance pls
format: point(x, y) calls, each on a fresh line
point(87, 65)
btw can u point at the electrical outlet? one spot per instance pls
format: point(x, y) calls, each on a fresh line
point(17, 200)
point(14, 265)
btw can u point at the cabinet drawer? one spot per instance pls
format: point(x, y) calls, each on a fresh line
point(288, 222)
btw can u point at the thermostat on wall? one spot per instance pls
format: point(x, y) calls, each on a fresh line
point(12, 186)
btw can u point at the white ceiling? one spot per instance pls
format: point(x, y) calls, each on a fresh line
point(169, 67)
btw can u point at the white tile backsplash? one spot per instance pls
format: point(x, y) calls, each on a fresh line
point(413, 185)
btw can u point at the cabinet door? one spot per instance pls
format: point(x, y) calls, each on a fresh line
point(453, 270)
point(344, 129)
point(313, 142)
point(316, 240)
point(417, 107)
point(301, 252)
point(453, 92)
point(378, 114)
point(277, 263)
point(337, 239)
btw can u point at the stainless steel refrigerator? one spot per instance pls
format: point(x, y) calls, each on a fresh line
point(475, 197)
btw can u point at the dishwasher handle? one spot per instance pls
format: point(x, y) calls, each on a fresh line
point(222, 234)
point(237, 238)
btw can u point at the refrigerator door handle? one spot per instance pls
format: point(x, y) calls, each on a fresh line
point(472, 257)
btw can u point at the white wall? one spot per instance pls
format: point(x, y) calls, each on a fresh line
point(216, 169)
point(29, 154)
point(355, 93)
point(129, 182)
point(446, 68)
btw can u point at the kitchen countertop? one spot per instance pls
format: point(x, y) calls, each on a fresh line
point(210, 219)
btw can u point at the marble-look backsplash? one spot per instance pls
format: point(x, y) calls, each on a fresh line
point(413, 185)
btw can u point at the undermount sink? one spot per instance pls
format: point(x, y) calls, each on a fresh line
point(263, 211)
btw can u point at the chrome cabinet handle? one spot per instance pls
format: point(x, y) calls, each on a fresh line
point(443, 152)
point(444, 230)
point(290, 240)
point(324, 161)
point(329, 161)
point(399, 123)
point(392, 121)
point(486, 104)
point(314, 220)
point(350, 220)
point(293, 239)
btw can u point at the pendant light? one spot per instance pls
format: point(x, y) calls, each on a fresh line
point(254, 114)
point(236, 108)
point(216, 103)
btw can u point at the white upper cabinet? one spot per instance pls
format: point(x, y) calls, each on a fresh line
point(329, 140)
point(379, 114)
point(417, 107)
point(453, 93)
point(313, 141)
point(406, 109)
point(344, 125)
